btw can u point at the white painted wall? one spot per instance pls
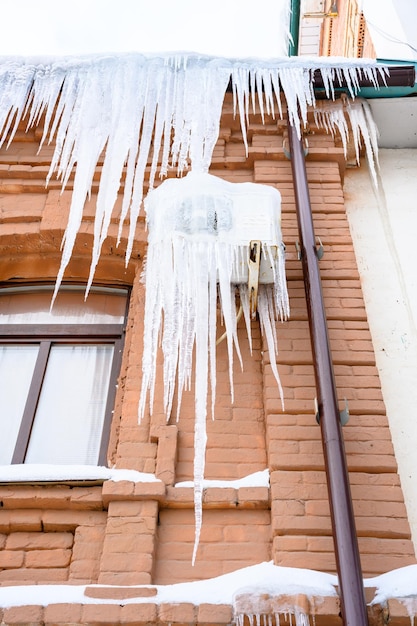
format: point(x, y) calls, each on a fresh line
point(384, 230)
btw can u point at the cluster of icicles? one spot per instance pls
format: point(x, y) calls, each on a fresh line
point(294, 617)
point(132, 112)
point(200, 228)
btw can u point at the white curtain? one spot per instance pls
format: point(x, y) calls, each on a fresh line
point(16, 369)
point(70, 413)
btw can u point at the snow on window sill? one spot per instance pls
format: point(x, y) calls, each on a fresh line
point(30, 473)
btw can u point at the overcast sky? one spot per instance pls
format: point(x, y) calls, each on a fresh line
point(217, 27)
point(232, 28)
point(393, 27)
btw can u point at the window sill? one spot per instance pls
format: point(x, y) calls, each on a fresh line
point(27, 473)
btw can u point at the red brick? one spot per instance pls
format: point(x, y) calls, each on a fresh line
point(48, 558)
point(11, 558)
point(215, 613)
point(182, 612)
point(124, 578)
point(27, 576)
point(143, 613)
point(34, 540)
point(20, 520)
point(101, 614)
point(27, 614)
point(63, 613)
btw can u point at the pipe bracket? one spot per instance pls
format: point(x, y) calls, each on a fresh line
point(319, 249)
point(344, 413)
point(254, 261)
point(287, 151)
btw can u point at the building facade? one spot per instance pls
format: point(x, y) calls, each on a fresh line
point(103, 545)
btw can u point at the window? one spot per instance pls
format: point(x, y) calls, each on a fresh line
point(58, 373)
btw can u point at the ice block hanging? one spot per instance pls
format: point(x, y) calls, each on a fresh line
point(199, 246)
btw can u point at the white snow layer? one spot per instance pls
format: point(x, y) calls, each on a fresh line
point(256, 579)
point(258, 479)
point(256, 582)
point(47, 473)
point(200, 229)
point(164, 109)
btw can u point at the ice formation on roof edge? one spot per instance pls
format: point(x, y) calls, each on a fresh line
point(126, 108)
point(130, 108)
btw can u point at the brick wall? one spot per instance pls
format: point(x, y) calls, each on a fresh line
point(50, 534)
point(126, 533)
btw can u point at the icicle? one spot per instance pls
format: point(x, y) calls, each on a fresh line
point(332, 116)
point(200, 228)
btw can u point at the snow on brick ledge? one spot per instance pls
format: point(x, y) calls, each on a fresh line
point(262, 589)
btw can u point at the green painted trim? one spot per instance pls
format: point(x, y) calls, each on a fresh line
point(387, 92)
point(294, 28)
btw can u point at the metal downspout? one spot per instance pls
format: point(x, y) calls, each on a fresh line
point(353, 605)
point(352, 596)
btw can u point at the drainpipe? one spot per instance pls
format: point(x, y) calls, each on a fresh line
point(294, 28)
point(352, 598)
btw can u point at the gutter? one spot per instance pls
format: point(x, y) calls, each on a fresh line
point(401, 82)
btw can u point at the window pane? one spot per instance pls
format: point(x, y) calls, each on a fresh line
point(70, 414)
point(16, 369)
point(22, 305)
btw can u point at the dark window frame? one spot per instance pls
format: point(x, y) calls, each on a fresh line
point(46, 335)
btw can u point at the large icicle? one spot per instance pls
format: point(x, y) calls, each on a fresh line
point(132, 109)
point(200, 228)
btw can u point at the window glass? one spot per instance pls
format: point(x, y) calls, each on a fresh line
point(69, 417)
point(26, 305)
point(17, 363)
point(58, 373)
